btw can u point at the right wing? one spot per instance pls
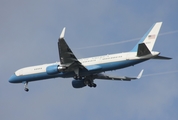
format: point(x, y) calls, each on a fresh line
point(123, 78)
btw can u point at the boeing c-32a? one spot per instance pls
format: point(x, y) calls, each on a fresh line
point(85, 71)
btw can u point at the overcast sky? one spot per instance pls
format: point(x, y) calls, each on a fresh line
point(29, 30)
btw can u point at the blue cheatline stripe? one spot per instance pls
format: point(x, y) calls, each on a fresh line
point(104, 67)
point(142, 39)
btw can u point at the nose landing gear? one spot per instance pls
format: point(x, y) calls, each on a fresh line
point(26, 87)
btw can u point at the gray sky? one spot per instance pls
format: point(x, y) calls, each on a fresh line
point(29, 31)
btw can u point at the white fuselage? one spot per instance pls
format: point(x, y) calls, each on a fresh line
point(107, 62)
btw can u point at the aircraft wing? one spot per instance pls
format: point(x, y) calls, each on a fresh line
point(122, 78)
point(66, 56)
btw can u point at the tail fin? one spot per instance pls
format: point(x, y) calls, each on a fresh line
point(149, 38)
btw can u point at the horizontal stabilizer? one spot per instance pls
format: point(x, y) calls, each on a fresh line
point(162, 58)
point(142, 50)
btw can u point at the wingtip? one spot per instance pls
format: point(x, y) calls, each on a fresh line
point(62, 33)
point(140, 74)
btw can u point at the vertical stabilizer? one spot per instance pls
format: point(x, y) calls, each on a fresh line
point(150, 37)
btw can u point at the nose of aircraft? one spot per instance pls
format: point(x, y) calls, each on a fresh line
point(13, 78)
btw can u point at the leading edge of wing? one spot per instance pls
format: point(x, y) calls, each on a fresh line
point(122, 78)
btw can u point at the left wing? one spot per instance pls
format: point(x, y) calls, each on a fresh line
point(66, 56)
point(123, 78)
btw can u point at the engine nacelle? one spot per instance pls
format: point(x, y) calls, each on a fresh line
point(54, 69)
point(78, 83)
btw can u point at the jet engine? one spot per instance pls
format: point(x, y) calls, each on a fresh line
point(54, 69)
point(78, 83)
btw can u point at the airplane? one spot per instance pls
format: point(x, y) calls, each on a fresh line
point(85, 71)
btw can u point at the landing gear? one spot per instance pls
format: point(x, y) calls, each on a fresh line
point(26, 87)
point(88, 80)
point(78, 78)
point(90, 83)
point(94, 85)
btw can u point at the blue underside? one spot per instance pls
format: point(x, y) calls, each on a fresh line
point(103, 67)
